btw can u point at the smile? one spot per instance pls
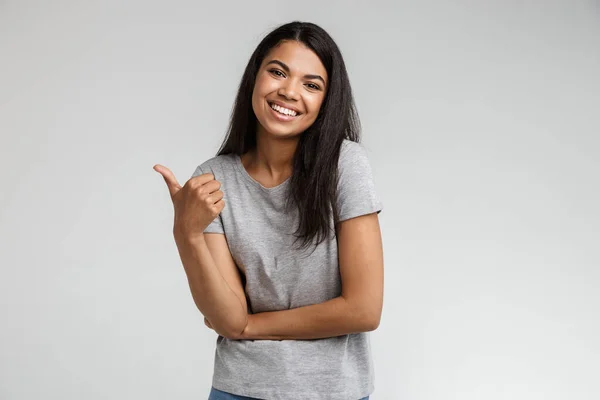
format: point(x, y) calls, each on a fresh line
point(282, 113)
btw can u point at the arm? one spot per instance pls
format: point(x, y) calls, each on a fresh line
point(214, 281)
point(359, 307)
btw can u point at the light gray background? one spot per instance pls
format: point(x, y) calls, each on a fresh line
point(481, 120)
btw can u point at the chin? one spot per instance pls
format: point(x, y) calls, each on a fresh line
point(280, 133)
point(274, 129)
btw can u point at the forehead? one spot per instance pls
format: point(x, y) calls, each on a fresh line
point(299, 58)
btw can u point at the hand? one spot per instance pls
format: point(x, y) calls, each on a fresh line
point(196, 204)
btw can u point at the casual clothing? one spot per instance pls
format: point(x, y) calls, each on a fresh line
point(259, 231)
point(216, 394)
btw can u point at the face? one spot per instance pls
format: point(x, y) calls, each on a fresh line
point(292, 80)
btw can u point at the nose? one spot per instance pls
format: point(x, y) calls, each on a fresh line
point(288, 90)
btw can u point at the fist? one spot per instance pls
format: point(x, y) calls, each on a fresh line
point(196, 204)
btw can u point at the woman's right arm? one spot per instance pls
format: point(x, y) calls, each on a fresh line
point(214, 281)
point(210, 269)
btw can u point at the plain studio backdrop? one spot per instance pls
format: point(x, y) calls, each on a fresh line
point(481, 119)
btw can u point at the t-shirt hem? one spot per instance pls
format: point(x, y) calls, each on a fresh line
point(233, 388)
point(213, 230)
point(357, 212)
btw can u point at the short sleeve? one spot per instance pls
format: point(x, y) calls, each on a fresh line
point(216, 226)
point(356, 190)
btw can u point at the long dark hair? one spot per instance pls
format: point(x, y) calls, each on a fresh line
point(314, 180)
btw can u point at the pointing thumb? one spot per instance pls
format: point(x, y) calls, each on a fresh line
point(169, 177)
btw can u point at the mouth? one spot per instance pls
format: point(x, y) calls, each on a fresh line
point(282, 113)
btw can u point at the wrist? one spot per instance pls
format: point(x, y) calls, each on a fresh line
point(186, 237)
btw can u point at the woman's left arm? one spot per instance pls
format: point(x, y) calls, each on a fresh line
point(358, 309)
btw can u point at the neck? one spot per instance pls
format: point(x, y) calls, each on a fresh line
point(272, 157)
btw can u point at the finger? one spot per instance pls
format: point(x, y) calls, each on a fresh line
point(216, 196)
point(201, 179)
point(212, 186)
point(169, 177)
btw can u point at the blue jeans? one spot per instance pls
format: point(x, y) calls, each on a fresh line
point(216, 394)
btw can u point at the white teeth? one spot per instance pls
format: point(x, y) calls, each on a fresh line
point(283, 110)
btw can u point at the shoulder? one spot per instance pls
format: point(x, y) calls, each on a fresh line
point(353, 159)
point(349, 145)
point(357, 194)
point(218, 165)
point(352, 152)
point(218, 162)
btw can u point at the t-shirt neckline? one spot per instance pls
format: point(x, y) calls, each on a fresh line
point(249, 178)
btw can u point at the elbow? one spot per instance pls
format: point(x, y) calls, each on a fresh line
point(232, 328)
point(375, 323)
point(367, 318)
point(371, 322)
point(236, 331)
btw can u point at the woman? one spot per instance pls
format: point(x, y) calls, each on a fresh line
point(290, 273)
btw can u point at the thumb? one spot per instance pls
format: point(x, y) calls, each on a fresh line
point(169, 177)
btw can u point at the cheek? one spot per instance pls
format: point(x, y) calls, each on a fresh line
point(262, 88)
point(263, 85)
point(254, 100)
point(257, 89)
point(258, 94)
point(314, 106)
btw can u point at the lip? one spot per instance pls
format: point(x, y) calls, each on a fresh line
point(280, 117)
point(279, 103)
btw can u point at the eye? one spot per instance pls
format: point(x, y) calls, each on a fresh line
point(313, 86)
point(277, 72)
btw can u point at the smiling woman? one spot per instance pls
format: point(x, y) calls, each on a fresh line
point(289, 94)
point(293, 318)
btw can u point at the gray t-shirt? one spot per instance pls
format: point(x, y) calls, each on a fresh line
point(259, 233)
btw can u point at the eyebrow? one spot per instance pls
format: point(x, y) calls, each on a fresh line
point(287, 69)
